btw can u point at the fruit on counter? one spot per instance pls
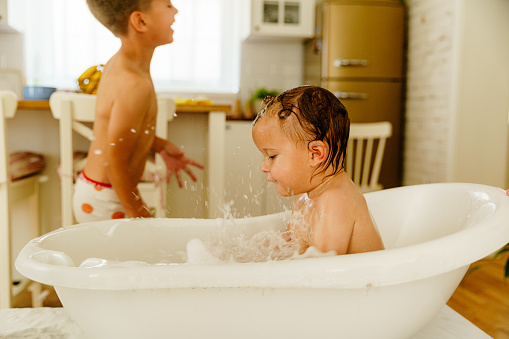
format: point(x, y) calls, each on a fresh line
point(88, 82)
point(186, 101)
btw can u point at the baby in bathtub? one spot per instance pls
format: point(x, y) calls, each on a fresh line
point(302, 134)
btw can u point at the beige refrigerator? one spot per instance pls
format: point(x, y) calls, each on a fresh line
point(357, 53)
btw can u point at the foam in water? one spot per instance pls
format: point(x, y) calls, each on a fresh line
point(231, 245)
point(262, 247)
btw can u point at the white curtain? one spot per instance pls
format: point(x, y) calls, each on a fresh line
point(62, 39)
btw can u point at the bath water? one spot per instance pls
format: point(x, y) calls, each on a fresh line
point(227, 246)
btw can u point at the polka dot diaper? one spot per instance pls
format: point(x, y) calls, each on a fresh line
point(93, 201)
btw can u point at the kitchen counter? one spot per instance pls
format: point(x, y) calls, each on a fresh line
point(44, 105)
point(198, 129)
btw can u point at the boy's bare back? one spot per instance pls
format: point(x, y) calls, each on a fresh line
point(124, 128)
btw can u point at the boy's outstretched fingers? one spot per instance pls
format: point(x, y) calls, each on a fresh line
point(195, 163)
point(176, 162)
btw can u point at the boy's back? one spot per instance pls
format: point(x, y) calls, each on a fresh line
point(124, 125)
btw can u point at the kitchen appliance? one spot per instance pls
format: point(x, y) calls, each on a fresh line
point(357, 53)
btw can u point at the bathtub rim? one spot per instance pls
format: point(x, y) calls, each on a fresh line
point(373, 269)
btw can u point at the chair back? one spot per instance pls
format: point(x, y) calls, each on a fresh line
point(8, 105)
point(74, 110)
point(365, 152)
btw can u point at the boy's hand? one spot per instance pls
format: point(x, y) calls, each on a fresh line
point(175, 162)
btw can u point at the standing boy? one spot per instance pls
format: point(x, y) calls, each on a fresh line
point(126, 110)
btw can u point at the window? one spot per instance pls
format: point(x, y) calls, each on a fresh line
point(62, 39)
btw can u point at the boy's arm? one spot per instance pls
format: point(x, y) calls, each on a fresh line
point(127, 115)
point(174, 159)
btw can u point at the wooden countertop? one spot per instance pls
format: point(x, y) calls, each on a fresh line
point(44, 105)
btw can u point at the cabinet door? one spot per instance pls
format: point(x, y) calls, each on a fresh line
point(312, 62)
point(282, 18)
point(362, 40)
point(247, 191)
point(371, 101)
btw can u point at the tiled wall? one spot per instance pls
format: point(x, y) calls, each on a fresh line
point(429, 110)
point(11, 50)
point(270, 64)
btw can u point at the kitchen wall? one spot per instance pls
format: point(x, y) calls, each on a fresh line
point(11, 50)
point(429, 91)
point(457, 92)
point(272, 64)
point(11, 59)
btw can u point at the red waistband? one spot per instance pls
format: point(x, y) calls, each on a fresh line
point(101, 184)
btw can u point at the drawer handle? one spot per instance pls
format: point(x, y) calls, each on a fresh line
point(351, 95)
point(350, 62)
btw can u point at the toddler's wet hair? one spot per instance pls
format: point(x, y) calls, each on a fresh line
point(320, 115)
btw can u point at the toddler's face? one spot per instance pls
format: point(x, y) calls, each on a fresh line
point(285, 161)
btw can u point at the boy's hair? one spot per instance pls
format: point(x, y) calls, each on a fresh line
point(114, 14)
point(321, 116)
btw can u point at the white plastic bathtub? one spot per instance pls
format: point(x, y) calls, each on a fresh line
point(432, 234)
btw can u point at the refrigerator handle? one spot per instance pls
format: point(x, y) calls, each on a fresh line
point(351, 95)
point(350, 62)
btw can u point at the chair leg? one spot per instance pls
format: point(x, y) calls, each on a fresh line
point(35, 231)
point(38, 295)
point(35, 217)
point(5, 250)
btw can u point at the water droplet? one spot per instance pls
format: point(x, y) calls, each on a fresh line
point(98, 151)
point(133, 130)
point(175, 115)
point(146, 131)
point(112, 144)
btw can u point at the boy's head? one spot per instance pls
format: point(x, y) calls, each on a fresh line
point(114, 14)
point(311, 113)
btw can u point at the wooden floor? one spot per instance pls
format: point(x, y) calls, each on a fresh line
point(482, 298)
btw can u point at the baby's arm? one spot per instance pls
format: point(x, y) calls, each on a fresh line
point(332, 229)
point(344, 225)
point(127, 115)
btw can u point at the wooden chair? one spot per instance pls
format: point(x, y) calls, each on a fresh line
point(365, 152)
point(12, 191)
point(74, 111)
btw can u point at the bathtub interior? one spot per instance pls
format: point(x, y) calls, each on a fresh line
point(149, 241)
point(427, 230)
point(406, 216)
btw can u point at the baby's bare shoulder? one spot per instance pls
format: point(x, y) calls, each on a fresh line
point(343, 194)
